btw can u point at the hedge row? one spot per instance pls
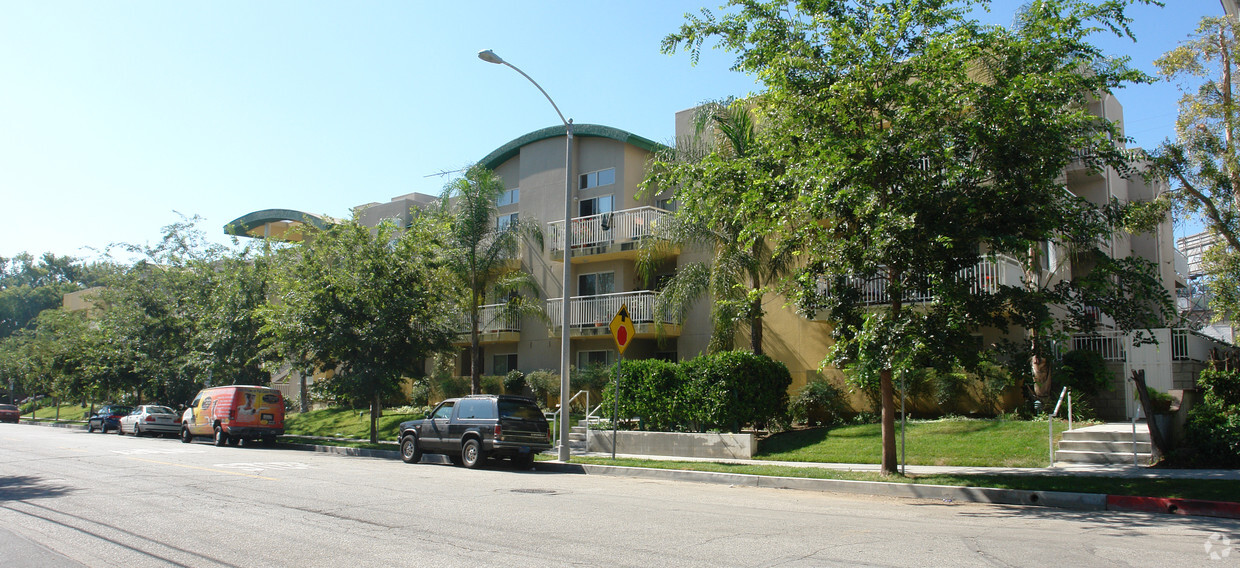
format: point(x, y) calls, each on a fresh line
point(718, 392)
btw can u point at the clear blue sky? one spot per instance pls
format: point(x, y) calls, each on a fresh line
point(116, 114)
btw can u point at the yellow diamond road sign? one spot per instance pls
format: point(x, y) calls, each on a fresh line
point(622, 328)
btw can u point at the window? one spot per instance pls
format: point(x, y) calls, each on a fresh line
point(444, 412)
point(596, 284)
point(595, 179)
point(509, 197)
point(502, 364)
point(476, 409)
point(588, 358)
point(668, 204)
point(504, 221)
point(594, 206)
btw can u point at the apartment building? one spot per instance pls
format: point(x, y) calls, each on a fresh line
point(610, 218)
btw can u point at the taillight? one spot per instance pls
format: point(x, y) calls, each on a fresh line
point(499, 432)
point(150, 418)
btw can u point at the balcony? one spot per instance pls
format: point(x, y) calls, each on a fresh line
point(606, 236)
point(590, 316)
point(987, 276)
point(493, 326)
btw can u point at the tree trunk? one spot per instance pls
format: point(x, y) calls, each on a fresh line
point(304, 394)
point(475, 350)
point(890, 463)
point(755, 308)
point(374, 417)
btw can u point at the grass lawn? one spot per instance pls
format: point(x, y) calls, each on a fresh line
point(957, 442)
point(343, 423)
point(67, 412)
point(1212, 490)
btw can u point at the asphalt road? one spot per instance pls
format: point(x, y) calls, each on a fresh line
point(68, 498)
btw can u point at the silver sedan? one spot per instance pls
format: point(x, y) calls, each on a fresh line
point(150, 419)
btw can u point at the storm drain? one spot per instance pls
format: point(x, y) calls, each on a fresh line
point(534, 491)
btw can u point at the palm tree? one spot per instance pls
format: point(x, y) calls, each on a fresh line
point(482, 256)
point(713, 175)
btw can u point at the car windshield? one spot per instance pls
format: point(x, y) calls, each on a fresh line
point(119, 410)
point(519, 410)
point(159, 410)
point(7, 407)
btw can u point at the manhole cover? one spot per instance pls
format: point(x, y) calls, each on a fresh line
point(534, 491)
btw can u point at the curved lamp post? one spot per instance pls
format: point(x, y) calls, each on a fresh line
point(490, 57)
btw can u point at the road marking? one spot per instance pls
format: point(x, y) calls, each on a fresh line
point(205, 469)
point(257, 467)
point(147, 451)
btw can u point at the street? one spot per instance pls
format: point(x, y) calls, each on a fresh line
point(69, 498)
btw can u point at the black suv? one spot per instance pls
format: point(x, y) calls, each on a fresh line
point(469, 430)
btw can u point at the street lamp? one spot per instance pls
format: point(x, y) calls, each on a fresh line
point(490, 57)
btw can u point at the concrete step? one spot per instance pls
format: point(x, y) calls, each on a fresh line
point(1125, 446)
point(1076, 456)
point(1143, 435)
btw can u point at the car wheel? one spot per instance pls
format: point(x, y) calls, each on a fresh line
point(472, 455)
point(221, 438)
point(233, 441)
point(137, 431)
point(269, 441)
point(410, 452)
point(186, 437)
point(120, 430)
point(523, 462)
point(90, 427)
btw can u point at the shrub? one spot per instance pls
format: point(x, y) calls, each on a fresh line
point(543, 383)
point(594, 378)
point(652, 390)
point(514, 383)
point(737, 389)
point(1213, 427)
point(819, 403)
point(1085, 371)
point(492, 384)
point(452, 387)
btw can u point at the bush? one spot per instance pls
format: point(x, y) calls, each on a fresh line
point(514, 383)
point(452, 387)
point(593, 378)
point(1085, 371)
point(819, 403)
point(1213, 428)
point(492, 384)
point(737, 389)
point(543, 383)
point(654, 391)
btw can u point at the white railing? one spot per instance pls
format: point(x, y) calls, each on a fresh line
point(591, 311)
point(1109, 344)
point(491, 319)
point(986, 277)
point(1189, 345)
point(606, 228)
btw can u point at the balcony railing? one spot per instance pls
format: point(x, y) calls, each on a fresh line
point(491, 319)
point(986, 277)
point(1186, 345)
point(1109, 344)
point(593, 311)
point(606, 228)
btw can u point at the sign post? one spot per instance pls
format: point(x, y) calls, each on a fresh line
point(622, 332)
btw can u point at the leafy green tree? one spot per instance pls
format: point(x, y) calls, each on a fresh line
point(911, 142)
point(712, 175)
point(369, 304)
point(1203, 162)
point(483, 256)
point(27, 286)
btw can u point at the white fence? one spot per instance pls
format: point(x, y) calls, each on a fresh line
point(986, 277)
point(605, 228)
point(589, 311)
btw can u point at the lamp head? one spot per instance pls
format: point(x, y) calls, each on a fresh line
point(490, 57)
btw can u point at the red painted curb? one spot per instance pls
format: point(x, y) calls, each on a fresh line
point(1195, 507)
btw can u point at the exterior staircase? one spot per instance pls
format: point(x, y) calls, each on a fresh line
point(1105, 444)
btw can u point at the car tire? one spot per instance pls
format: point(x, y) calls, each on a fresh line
point(269, 441)
point(472, 454)
point(410, 451)
point(120, 430)
point(90, 428)
point(186, 437)
point(137, 430)
point(523, 462)
point(221, 437)
point(234, 441)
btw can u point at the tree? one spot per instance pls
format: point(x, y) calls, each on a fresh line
point(711, 185)
point(368, 304)
point(481, 254)
point(1203, 163)
point(912, 143)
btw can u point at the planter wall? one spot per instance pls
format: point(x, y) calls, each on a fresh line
point(678, 444)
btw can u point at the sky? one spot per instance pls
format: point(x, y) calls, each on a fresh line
point(119, 117)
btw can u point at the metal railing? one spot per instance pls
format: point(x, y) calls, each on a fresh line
point(491, 319)
point(986, 277)
point(1109, 344)
point(606, 228)
point(590, 311)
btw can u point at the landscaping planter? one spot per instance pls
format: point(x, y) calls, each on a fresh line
point(678, 444)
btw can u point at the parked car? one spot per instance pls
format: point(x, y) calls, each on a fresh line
point(10, 413)
point(233, 414)
point(108, 417)
point(150, 419)
point(472, 429)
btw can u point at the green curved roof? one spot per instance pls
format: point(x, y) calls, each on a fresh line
point(241, 226)
point(507, 151)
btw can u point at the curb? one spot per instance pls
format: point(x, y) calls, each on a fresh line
point(1193, 507)
point(946, 493)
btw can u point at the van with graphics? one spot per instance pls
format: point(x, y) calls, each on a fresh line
point(233, 414)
